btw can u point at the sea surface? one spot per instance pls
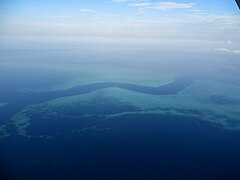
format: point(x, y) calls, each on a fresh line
point(136, 147)
point(79, 142)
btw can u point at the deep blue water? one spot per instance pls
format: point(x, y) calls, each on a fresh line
point(140, 146)
point(136, 147)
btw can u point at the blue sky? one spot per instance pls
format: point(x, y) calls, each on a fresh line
point(188, 20)
point(23, 10)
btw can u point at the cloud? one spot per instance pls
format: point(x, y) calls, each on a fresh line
point(162, 5)
point(196, 10)
point(226, 50)
point(87, 10)
point(61, 17)
point(143, 4)
point(208, 28)
point(120, 1)
point(128, 1)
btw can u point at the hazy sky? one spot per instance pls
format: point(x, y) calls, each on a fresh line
point(188, 20)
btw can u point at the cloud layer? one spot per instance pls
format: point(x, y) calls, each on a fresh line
point(87, 10)
point(162, 5)
point(130, 19)
point(227, 50)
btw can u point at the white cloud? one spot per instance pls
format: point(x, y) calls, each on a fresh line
point(162, 5)
point(128, 1)
point(87, 10)
point(143, 4)
point(120, 1)
point(197, 10)
point(226, 50)
point(188, 27)
point(61, 17)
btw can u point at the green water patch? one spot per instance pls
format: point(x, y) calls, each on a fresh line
point(3, 132)
point(2, 104)
point(68, 115)
point(192, 101)
point(213, 102)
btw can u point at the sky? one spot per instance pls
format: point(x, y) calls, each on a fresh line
point(166, 20)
